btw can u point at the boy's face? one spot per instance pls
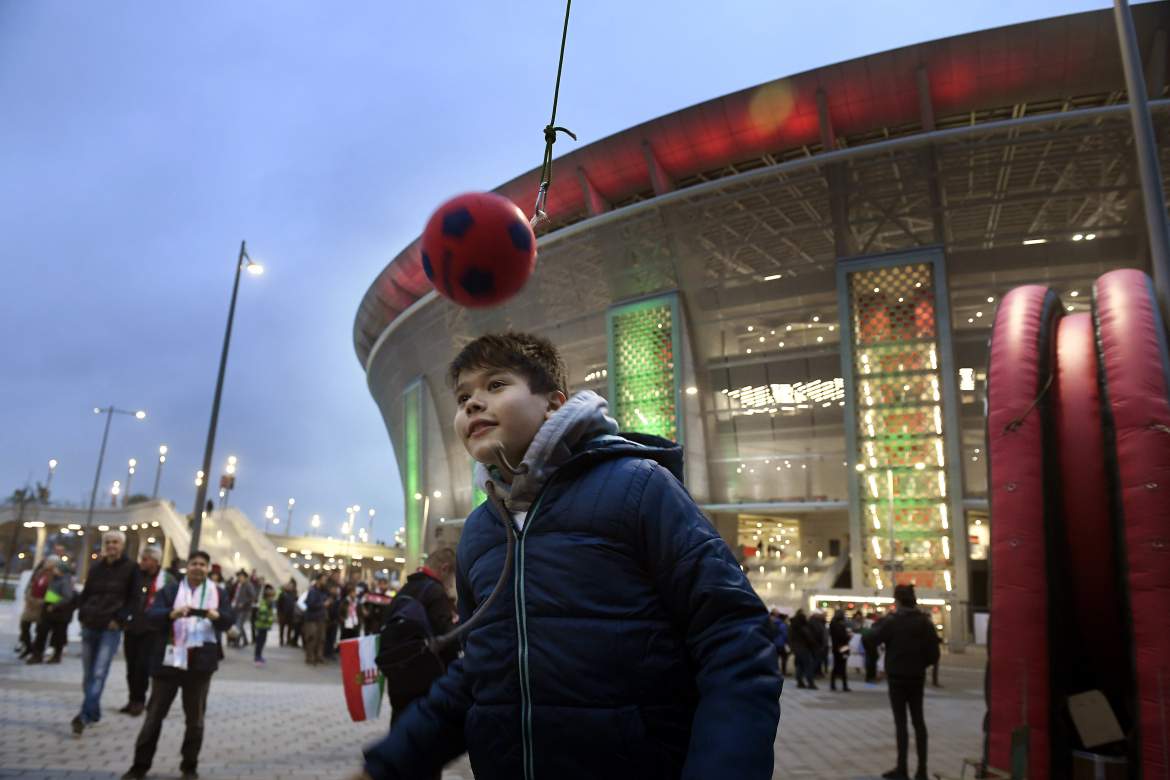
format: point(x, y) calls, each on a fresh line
point(495, 406)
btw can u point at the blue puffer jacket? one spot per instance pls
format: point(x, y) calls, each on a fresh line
point(628, 642)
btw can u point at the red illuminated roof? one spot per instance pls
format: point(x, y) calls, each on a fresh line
point(1046, 60)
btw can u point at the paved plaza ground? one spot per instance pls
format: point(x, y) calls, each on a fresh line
point(290, 721)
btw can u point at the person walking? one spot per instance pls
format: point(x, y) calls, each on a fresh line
point(56, 613)
point(34, 606)
point(242, 603)
point(839, 643)
point(870, 646)
point(103, 609)
point(911, 646)
point(427, 587)
point(350, 621)
point(286, 603)
point(189, 612)
point(143, 642)
point(820, 637)
point(265, 611)
point(780, 639)
point(316, 602)
point(800, 639)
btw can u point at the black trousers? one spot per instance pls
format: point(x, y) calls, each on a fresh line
point(839, 670)
point(783, 663)
point(54, 632)
point(194, 686)
point(871, 659)
point(907, 694)
point(139, 648)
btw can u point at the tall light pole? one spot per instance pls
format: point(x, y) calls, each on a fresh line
point(162, 458)
point(243, 261)
point(115, 491)
point(49, 479)
point(109, 411)
point(315, 521)
point(228, 481)
point(269, 515)
point(372, 526)
point(291, 503)
point(131, 466)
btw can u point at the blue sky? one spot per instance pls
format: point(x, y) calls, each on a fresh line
point(141, 141)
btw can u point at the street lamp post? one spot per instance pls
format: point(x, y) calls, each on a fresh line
point(291, 502)
point(109, 411)
point(243, 261)
point(129, 477)
point(162, 458)
point(115, 491)
point(315, 521)
point(49, 479)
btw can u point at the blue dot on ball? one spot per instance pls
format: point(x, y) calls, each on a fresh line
point(477, 282)
point(521, 236)
point(456, 223)
point(427, 269)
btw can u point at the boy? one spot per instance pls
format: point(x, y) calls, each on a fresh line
point(265, 612)
point(626, 641)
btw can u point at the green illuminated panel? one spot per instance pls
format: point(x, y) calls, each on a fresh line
point(412, 473)
point(900, 437)
point(643, 367)
point(477, 494)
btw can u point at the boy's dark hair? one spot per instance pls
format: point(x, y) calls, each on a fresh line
point(533, 357)
point(199, 554)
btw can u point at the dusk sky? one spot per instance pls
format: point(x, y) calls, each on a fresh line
point(141, 141)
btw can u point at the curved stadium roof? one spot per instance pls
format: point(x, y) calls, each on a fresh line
point(1048, 66)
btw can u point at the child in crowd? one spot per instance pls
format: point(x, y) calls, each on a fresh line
point(265, 615)
point(625, 640)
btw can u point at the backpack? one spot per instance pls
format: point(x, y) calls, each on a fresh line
point(404, 658)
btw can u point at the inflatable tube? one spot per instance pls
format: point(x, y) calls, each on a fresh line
point(1098, 657)
point(1135, 401)
point(1022, 513)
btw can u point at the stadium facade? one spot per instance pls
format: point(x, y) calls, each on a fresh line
point(796, 282)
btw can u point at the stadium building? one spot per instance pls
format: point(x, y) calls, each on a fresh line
point(796, 282)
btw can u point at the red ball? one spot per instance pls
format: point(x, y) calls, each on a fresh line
point(478, 249)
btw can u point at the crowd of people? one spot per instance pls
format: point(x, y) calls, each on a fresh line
point(903, 641)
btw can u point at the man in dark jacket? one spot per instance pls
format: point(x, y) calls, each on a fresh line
point(800, 638)
point(103, 609)
point(625, 641)
point(313, 628)
point(911, 646)
point(144, 642)
point(189, 613)
point(428, 586)
point(839, 645)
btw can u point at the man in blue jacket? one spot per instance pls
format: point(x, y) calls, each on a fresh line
point(191, 612)
point(625, 640)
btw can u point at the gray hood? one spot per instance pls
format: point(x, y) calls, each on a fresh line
point(582, 418)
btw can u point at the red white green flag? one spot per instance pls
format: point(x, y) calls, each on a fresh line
point(360, 677)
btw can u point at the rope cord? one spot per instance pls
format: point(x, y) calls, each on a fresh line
point(551, 130)
point(1015, 424)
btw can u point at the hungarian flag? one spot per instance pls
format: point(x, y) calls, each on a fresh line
point(360, 677)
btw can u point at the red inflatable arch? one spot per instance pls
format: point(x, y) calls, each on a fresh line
point(1135, 396)
point(1100, 656)
point(1019, 432)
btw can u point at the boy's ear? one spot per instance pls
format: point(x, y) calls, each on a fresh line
point(556, 399)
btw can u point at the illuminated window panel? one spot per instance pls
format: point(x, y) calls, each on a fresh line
point(900, 437)
point(477, 494)
point(643, 366)
point(412, 474)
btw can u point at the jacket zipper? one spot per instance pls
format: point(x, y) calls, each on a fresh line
point(522, 644)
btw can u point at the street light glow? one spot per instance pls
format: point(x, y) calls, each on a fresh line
point(316, 521)
point(141, 415)
point(292, 501)
point(232, 460)
point(255, 268)
point(438, 494)
point(133, 462)
point(52, 463)
point(162, 450)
